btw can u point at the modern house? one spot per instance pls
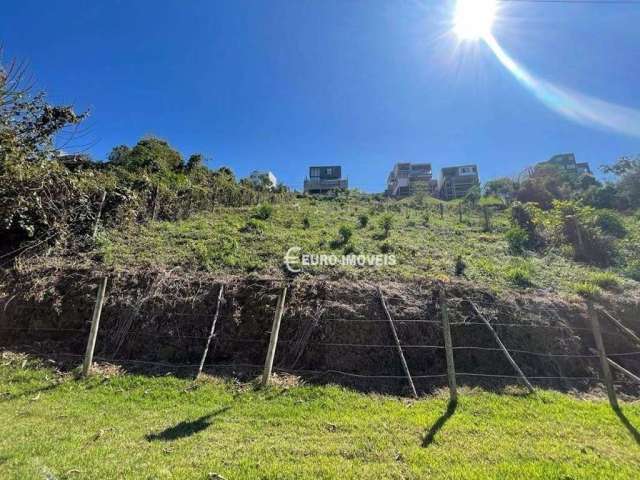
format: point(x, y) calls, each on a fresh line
point(409, 178)
point(263, 179)
point(325, 180)
point(455, 182)
point(567, 162)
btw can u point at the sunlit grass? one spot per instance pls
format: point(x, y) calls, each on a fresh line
point(139, 427)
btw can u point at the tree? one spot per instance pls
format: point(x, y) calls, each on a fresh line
point(28, 124)
point(504, 187)
point(627, 169)
point(150, 154)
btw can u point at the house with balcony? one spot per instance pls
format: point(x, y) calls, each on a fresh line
point(455, 182)
point(410, 178)
point(322, 180)
point(567, 162)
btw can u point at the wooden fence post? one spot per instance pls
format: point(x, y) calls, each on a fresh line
point(211, 332)
point(504, 349)
point(441, 211)
point(99, 214)
point(273, 340)
point(398, 347)
point(448, 344)
point(460, 211)
point(95, 324)
point(604, 364)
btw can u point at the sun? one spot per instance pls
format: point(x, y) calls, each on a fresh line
point(473, 19)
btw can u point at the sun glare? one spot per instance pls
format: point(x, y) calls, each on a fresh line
point(474, 18)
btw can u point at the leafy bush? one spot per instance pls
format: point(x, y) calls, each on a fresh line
point(263, 211)
point(350, 249)
point(363, 220)
point(520, 274)
point(305, 222)
point(611, 223)
point(386, 224)
point(633, 271)
point(345, 233)
point(577, 227)
point(606, 280)
point(460, 266)
point(587, 290)
point(522, 217)
point(518, 239)
point(386, 248)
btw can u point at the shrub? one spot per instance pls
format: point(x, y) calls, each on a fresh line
point(606, 280)
point(633, 271)
point(263, 211)
point(363, 220)
point(460, 266)
point(587, 290)
point(252, 226)
point(386, 224)
point(522, 217)
point(386, 248)
point(520, 274)
point(350, 249)
point(518, 239)
point(611, 223)
point(305, 222)
point(576, 225)
point(345, 233)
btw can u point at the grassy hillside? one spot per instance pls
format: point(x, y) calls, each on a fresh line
point(236, 240)
point(53, 426)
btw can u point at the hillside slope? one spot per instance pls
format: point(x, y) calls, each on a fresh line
point(424, 244)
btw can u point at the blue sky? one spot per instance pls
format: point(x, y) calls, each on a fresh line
point(284, 84)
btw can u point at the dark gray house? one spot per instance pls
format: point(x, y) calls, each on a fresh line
point(325, 180)
point(455, 182)
point(567, 162)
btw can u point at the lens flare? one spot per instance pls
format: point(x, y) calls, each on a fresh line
point(474, 18)
point(583, 109)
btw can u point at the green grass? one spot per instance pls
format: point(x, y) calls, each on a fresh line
point(138, 427)
point(233, 240)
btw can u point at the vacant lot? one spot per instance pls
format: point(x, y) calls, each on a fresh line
point(127, 426)
point(235, 240)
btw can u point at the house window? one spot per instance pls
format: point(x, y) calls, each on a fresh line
point(329, 171)
point(314, 172)
point(467, 170)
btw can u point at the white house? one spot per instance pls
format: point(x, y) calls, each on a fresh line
point(263, 178)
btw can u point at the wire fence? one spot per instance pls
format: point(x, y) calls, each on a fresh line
point(252, 368)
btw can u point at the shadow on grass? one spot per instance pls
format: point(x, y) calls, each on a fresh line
point(629, 426)
point(27, 393)
point(185, 429)
point(435, 428)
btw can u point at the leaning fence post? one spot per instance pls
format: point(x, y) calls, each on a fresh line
point(273, 340)
point(604, 364)
point(398, 346)
point(95, 324)
point(212, 331)
point(504, 349)
point(448, 344)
